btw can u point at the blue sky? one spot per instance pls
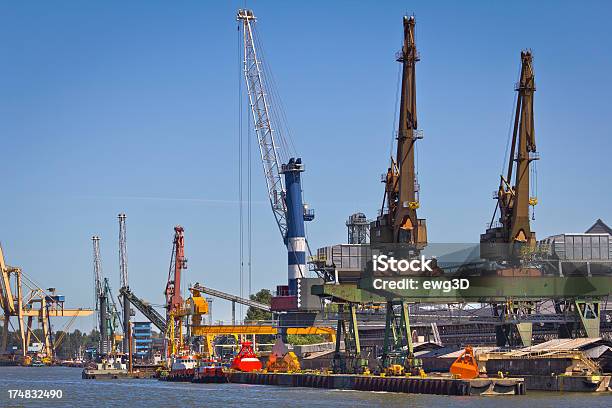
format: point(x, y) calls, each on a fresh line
point(132, 107)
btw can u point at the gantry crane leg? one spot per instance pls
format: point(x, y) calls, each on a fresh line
point(511, 331)
point(5, 330)
point(24, 348)
point(351, 360)
point(398, 347)
point(588, 310)
point(28, 333)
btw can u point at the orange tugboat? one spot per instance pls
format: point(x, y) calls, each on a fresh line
point(246, 360)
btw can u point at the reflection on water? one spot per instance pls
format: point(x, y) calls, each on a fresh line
point(153, 393)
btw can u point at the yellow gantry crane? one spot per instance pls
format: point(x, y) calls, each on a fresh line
point(38, 303)
point(11, 303)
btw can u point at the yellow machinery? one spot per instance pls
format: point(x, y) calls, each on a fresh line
point(11, 305)
point(322, 331)
point(395, 369)
point(176, 310)
point(196, 306)
point(204, 330)
point(174, 333)
point(209, 332)
point(285, 364)
point(281, 359)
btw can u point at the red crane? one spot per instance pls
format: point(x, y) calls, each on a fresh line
point(174, 300)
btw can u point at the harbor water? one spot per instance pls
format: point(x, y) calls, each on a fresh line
point(153, 393)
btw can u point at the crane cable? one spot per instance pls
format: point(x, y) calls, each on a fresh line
point(283, 135)
point(508, 142)
point(240, 181)
point(533, 199)
point(249, 207)
point(395, 126)
point(510, 128)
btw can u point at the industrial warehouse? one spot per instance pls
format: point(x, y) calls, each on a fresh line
point(392, 309)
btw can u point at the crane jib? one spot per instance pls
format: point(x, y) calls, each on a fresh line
point(282, 181)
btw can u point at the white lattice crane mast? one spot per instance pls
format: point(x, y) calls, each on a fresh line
point(97, 266)
point(284, 193)
point(260, 110)
point(123, 270)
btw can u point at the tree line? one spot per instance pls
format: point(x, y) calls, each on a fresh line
point(72, 345)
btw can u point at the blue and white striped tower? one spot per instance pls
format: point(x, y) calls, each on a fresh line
point(295, 240)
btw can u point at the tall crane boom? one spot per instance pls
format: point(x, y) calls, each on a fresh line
point(174, 300)
point(123, 264)
point(97, 266)
point(260, 109)
point(101, 302)
point(111, 317)
point(400, 224)
point(145, 308)
point(123, 270)
point(284, 193)
point(6, 295)
point(107, 315)
point(514, 195)
point(515, 204)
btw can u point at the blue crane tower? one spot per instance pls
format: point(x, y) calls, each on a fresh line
point(297, 213)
